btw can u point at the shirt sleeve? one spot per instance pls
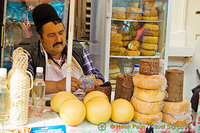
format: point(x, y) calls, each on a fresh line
point(89, 67)
point(30, 65)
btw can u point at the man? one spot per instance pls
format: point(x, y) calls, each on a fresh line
point(51, 52)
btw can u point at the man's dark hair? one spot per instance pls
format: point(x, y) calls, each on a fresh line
point(40, 30)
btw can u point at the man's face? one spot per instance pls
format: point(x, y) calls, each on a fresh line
point(54, 37)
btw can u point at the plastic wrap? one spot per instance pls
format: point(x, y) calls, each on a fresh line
point(178, 120)
point(150, 81)
point(150, 95)
point(176, 107)
point(145, 107)
point(147, 119)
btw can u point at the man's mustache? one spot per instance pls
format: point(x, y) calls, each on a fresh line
point(57, 43)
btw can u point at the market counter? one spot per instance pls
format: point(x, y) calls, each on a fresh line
point(52, 119)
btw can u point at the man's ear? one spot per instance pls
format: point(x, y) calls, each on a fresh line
point(39, 37)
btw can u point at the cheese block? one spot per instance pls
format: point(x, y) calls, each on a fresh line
point(152, 27)
point(114, 43)
point(114, 75)
point(113, 82)
point(114, 69)
point(150, 39)
point(125, 43)
point(149, 95)
point(120, 53)
point(134, 43)
point(178, 120)
point(149, 46)
point(150, 18)
point(150, 81)
point(119, 87)
point(119, 9)
point(150, 33)
point(126, 37)
point(149, 66)
point(115, 37)
point(134, 10)
point(134, 16)
point(147, 119)
point(132, 53)
point(145, 107)
point(145, 52)
point(117, 49)
point(176, 107)
point(150, 13)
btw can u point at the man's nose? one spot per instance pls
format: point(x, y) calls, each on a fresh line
point(58, 38)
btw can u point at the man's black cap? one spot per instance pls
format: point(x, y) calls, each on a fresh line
point(43, 14)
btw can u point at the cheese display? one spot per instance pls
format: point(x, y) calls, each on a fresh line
point(72, 112)
point(122, 111)
point(98, 110)
point(59, 98)
point(149, 81)
point(149, 46)
point(178, 120)
point(149, 95)
point(176, 107)
point(147, 118)
point(93, 94)
point(119, 86)
point(146, 107)
point(175, 80)
point(149, 66)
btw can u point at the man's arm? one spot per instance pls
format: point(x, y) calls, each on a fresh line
point(89, 67)
point(56, 86)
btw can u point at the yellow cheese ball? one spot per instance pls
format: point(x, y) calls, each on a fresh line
point(122, 111)
point(98, 110)
point(72, 112)
point(93, 94)
point(59, 98)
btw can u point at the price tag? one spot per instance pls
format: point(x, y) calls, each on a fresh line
point(49, 129)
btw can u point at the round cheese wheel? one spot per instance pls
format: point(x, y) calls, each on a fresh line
point(149, 46)
point(145, 52)
point(149, 95)
point(72, 112)
point(59, 98)
point(122, 111)
point(93, 94)
point(147, 119)
point(98, 110)
point(176, 107)
point(150, 81)
point(178, 120)
point(145, 107)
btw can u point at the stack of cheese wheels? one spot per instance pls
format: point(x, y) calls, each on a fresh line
point(150, 11)
point(116, 44)
point(149, 92)
point(150, 40)
point(113, 72)
point(175, 109)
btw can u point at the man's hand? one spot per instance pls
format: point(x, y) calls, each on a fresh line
point(75, 84)
point(56, 86)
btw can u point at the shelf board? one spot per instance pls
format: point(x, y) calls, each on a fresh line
point(113, 19)
point(136, 57)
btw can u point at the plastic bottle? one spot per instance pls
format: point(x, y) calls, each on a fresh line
point(136, 68)
point(4, 96)
point(38, 93)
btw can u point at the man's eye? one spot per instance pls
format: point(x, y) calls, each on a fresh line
point(51, 35)
point(61, 32)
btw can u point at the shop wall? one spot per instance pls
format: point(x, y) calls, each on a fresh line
point(192, 40)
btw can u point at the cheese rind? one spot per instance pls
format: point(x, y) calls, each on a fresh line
point(147, 119)
point(150, 81)
point(145, 107)
point(176, 107)
point(178, 120)
point(149, 95)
